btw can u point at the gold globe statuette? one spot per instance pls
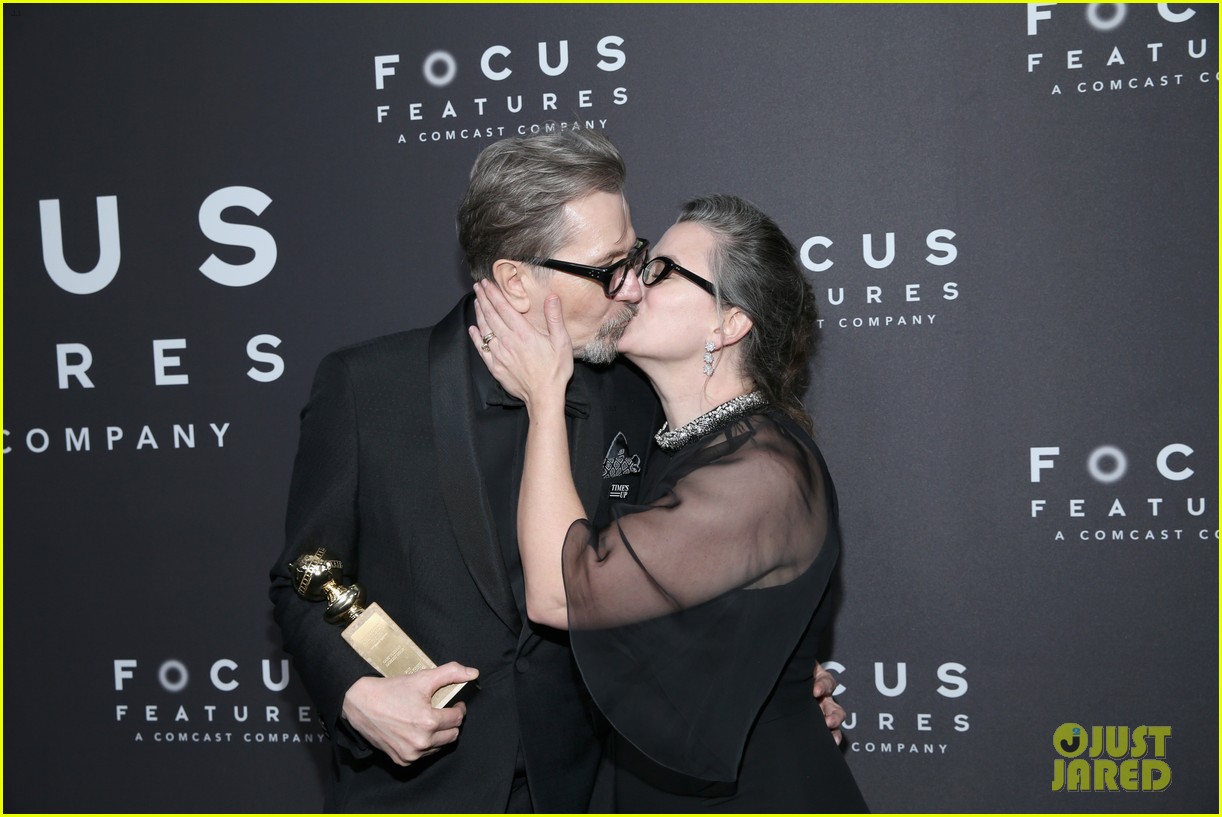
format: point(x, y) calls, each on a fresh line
point(370, 631)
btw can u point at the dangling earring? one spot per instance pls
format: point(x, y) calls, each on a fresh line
point(708, 358)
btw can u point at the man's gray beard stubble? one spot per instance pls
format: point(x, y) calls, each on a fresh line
point(601, 350)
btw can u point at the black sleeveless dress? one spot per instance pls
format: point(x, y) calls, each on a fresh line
point(695, 618)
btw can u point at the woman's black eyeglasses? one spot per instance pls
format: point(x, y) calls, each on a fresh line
point(612, 277)
point(658, 267)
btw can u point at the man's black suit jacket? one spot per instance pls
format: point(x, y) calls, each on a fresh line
point(387, 479)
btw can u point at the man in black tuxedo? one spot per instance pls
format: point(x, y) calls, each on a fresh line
point(408, 470)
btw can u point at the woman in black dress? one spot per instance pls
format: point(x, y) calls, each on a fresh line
point(696, 615)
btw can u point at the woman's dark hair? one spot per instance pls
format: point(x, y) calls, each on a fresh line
point(755, 267)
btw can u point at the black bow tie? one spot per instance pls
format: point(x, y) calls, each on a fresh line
point(576, 404)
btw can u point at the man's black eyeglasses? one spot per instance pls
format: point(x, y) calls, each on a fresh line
point(659, 267)
point(612, 277)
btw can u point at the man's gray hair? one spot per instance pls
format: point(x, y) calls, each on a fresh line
point(514, 205)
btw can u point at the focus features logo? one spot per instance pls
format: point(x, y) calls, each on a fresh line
point(493, 104)
point(1120, 501)
point(168, 361)
point(900, 283)
point(1111, 758)
point(237, 705)
point(892, 716)
point(1096, 54)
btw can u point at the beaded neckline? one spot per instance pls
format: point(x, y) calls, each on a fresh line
point(712, 420)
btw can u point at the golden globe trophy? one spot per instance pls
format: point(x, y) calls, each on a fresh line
point(372, 633)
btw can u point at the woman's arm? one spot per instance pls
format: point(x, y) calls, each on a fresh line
point(547, 506)
point(536, 367)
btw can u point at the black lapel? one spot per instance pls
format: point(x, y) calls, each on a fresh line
point(589, 443)
point(462, 484)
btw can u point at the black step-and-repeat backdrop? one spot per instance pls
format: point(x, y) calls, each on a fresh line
point(1009, 214)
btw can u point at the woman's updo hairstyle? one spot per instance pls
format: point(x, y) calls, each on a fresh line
point(755, 267)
